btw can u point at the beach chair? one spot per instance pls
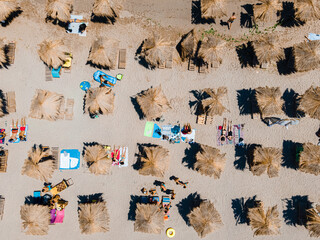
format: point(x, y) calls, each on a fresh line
point(68, 114)
point(209, 120)
point(201, 119)
point(62, 109)
point(161, 65)
point(48, 74)
point(11, 52)
point(3, 161)
point(55, 154)
point(2, 201)
point(122, 59)
point(11, 102)
point(191, 65)
point(169, 61)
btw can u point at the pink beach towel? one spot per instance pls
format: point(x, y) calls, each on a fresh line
point(59, 216)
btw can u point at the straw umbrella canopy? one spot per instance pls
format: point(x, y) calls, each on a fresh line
point(153, 102)
point(269, 100)
point(46, 105)
point(97, 159)
point(3, 57)
point(212, 9)
point(307, 9)
point(266, 159)
point(264, 223)
point(149, 219)
point(59, 9)
point(156, 50)
point(188, 45)
point(155, 161)
point(7, 7)
point(210, 161)
point(106, 8)
point(3, 104)
point(104, 53)
point(35, 219)
point(210, 49)
point(205, 219)
point(310, 102)
point(313, 221)
point(309, 161)
point(307, 55)
point(266, 10)
point(213, 104)
point(53, 53)
point(39, 164)
point(268, 50)
point(99, 100)
point(93, 217)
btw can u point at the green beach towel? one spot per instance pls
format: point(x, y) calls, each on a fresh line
point(148, 130)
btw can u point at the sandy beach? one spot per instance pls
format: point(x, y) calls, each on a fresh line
point(123, 127)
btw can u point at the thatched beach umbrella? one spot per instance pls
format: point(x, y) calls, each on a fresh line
point(104, 53)
point(97, 159)
point(153, 102)
point(7, 7)
point(210, 161)
point(268, 50)
point(310, 102)
point(59, 10)
point(307, 9)
point(106, 8)
point(269, 100)
point(264, 223)
point(188, 45)
point(39, 164)
point(266, 160)
point(3, 57)
point(205, 219)
point(46, 105)
point(99, 100)
point(53, 53)
point(155, 161)
point(156, 50)
point(313, 221)
point(35, 219)
point(211, 9)
point(213, 105)
point(3, 104)
point(93, 217)
point(266, 10)
point(149, 219)
point(211, 49)
point(309, 160)
point(307, 55)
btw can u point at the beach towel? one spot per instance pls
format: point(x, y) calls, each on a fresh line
point(156, 131)
point(148, 129)
point(171, 133)
point(238, 132)
point(189, 138)
point(25, 129)
point(17, 139)
point(2, 132)
point(313, 36)
point(59, 216)
point(227, 141)
point(53, 216)
point(75, 22)
point(125, 159)
point(69, 159)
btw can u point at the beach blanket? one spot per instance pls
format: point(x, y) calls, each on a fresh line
point(152, 129)
point(189, 138)
point(227, 141)
point(24, 139)
point(17, 139)
point(171, 133)
point(238, 132)
point(2, 131)
point(75, 22)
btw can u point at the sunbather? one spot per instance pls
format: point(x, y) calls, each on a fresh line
point(173, 195)
point(163, 187)
point(153, 191)
point(22, 134)
point(186, 129)
point(224, 130)
point(14, 131)
point(230, 135)
point(144, 191)
point(103, 81)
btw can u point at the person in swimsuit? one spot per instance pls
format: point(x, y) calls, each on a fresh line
point(224, 131)
point(103, 81)
point(14, 131)
point(22, 134)
point(230, 135)
point(231, 19)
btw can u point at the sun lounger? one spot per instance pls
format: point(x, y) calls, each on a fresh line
point(2, 131)
point(169, 61)
point(209, 120)
point(55, 154)
point(11, 52)
point(3, 161)
point(122, 59)
point(69, 109)
point(191, 65)
point(62, 109)
point(2, 201)
point(11, 102)
point(48, 74)
point(202, 68)
point(162, 65)
point(201, 119)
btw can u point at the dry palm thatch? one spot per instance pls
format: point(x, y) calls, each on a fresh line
point(53, 53)
point(7, 7)
point(213, 104)
point(264, 223)
point(268, 50)
point(46, 105)
point(104, 53)
point(309, 160)
point(267, 10)
point(210, 49)
point(39, 164)
point(153, 102)
point(211, 9)
point(210, 162)
point(310, 102)
point(3, 57)
point(35, 219)
point(97, 159)
point(307, 9)
point(59, 10)
point(313, 222)
point(3, 104)
point(149, 219)
point(188, 45)
point(99, 100)
point(107, 8)
point(269, 100)
point(266, 159)
point(307, 55)
point(205, 219)
point(156, 50)
point(155, 161)
point(93, 217)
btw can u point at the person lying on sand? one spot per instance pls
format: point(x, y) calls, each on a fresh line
point(153, 191)
point(22, 134)
point(14, 131)
point(103, 81)
point(230, 135)
point(163, 187)
point(224, 130)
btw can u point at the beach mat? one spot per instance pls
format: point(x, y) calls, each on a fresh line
point(2, 130)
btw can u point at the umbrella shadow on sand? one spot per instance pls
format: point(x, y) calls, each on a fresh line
point(138, 164)
point(247, 55)
point(286, 66)
point(289, 154)
point(96, 197)
point(240, 207)
point(288, 15)
point(296, 210)
point(10, 18)
point(137, 107)
point(246, 19)
point(186, 205)
point(133, 206)
point(190, 155)
point(244, 156)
